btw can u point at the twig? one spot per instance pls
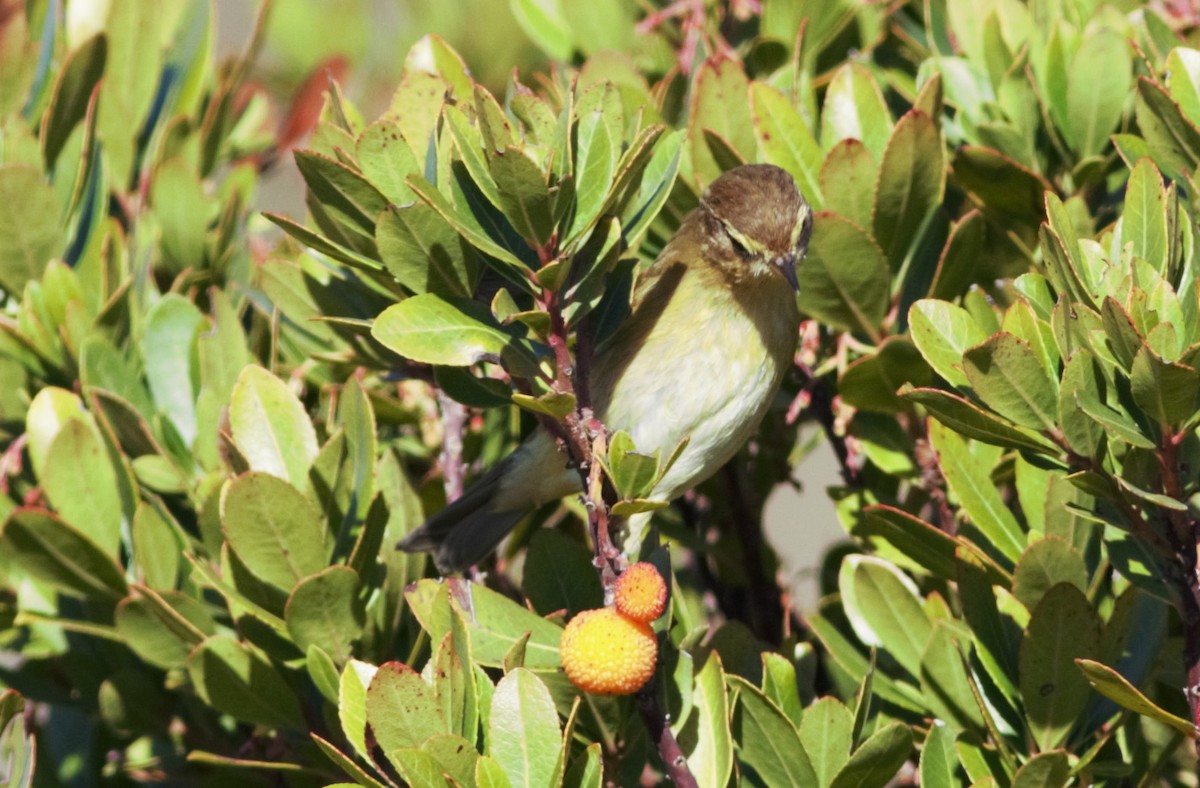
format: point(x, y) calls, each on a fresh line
point(765, 611)
point(1186, 530)
point(660, 733)
point(454, 424)
point(820, 405)
point(585, 439)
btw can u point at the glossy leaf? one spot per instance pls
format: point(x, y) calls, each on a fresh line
point(235, 680)
point(30, 235)
point(523, 733)
point(912, 179)
point(786, 141)
point(1009, 378)
point(50, 550)
point(976, 493)
point(826, 733)
point(401, 709)
point(325, 610)
point(876, 762)
point(1115, 687)
point(271, 428)
point(1063, 628)
point(845, 277)
point(434, 330)
point(277, 533)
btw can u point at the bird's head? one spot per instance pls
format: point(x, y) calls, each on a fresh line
point(756, 222)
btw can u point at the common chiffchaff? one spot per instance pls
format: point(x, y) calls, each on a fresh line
point(712, 329)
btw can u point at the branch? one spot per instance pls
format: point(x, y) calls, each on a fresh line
point(660, 733)
point(454, 424)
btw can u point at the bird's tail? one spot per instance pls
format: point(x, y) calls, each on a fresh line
point(467, 529)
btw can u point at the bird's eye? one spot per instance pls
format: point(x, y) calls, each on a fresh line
point(738, 246)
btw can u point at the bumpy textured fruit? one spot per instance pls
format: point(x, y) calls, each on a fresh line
point(641, 593)
point(605, 653)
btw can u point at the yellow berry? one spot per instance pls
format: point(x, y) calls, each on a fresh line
point(641, 593)
point(604, 653)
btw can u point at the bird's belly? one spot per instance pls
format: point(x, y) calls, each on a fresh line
point(713, 393)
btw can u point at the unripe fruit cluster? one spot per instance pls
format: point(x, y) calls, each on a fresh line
point(612, 650)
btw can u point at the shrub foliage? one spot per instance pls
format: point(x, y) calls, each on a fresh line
point(215, 424)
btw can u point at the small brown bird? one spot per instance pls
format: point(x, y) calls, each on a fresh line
point(712, 330)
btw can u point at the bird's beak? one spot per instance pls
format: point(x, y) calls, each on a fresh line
point(787, 266)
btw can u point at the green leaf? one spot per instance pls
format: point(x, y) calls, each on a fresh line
point(271, 428)
point(587, 771)
point(1116, 688)
point(234, 680)
point(848, 177)
point(944, 332)
point(995, 635)
point(929, 546)
point(48, 549)
point(523, 732)
point(163, 628)
point(30, 235)
point(495, 623)
point(785, 140)
point(977, 494)
point(780, 684)
point(973, 422)
point(167, 346)
point(719, 105)
point(884, 609)
point(711, 757)
point(490, 774)
point(845, 277)
point(912, 180)
point(553, 404)
point(543, 21)
point(434, 330)
point(386, 160)
point(854, 108)
point(1166, 392)
point(1009, 378)
point(352, 703)
point(876, 762)
point(938, 766)
point(633, 473)
point(958, 267)
point(523, 194)
point(1174, 140)
point(1081, 380)
point(402, 710)
point(1044, 564)
point(944, 680)
point(1097, 87)
point(325, 610)
point(81, 70)
point(423, 252)
point(1006, 190)
point(1063, 628)
point(183, 213)
point(79, 480)
point(345, 193)
point(559, 574)
point(1044, 770)
point(1144, 219)
point(826, 733)
point(870, 383)
point(277, 533)
point(766, 739)
point(597, 146)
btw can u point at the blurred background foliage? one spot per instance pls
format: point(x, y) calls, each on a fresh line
point(215, 423)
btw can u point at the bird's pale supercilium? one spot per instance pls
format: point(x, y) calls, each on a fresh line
point(712, 329)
